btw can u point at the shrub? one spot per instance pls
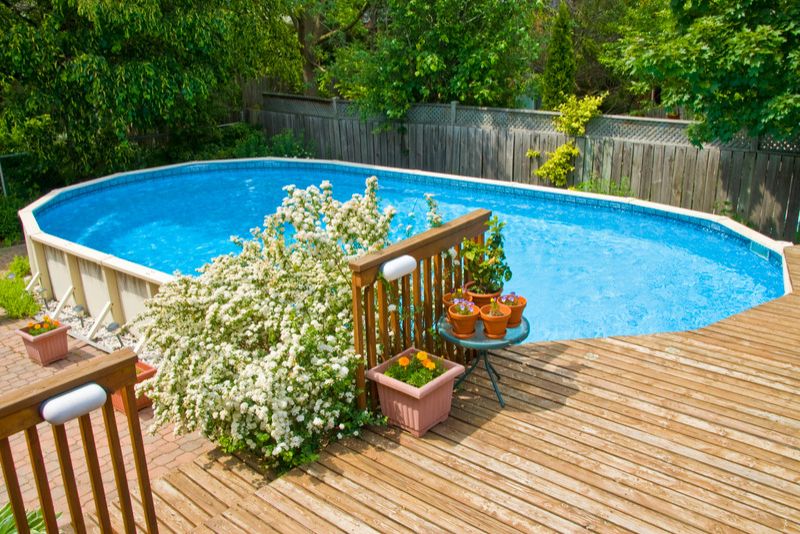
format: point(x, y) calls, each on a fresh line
point(20, 267)
point(605, 187)
point(288, 145)
point(17, 302)
point(558, 166)
point(486, 263)
point(257, 351)
point(10, 226)
point(576, 114)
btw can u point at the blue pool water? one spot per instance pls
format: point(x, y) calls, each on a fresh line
point(588, 270)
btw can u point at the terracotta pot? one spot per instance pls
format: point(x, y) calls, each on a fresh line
point(46, 348)
point(143, 372)
point(447, 301)
point(482, 299)
point(463, 325)
point(516, 311)
point(494, 326)
point(414, 409)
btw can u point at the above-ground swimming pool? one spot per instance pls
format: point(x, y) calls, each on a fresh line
point(590, 267)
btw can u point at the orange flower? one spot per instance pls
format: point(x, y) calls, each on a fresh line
point(403, 361)
point(37, 326)
point(429, 364)
point(422, 355)
point(30, 325)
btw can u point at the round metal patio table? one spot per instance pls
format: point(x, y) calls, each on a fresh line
point(483, 345)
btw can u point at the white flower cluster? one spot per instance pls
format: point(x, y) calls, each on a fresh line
point(257, 351)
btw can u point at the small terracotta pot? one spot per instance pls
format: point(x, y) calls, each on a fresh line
point(516, 311)
point(447, 301)
point(494, 326)
point(482, 299)
point(143, 372)
point(463, 325)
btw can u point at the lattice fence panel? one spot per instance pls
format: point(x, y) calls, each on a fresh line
point(430, 114)
point(644, 130)
point(771, 144)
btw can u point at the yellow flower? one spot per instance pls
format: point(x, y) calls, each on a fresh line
point(403, 361)
point(430, 365)
point(422, 355)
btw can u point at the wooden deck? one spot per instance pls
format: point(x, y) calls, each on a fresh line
point(683, 432)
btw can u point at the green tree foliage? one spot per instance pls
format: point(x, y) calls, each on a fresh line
point(476, 52)
point(558, 79)
point(324, 27)
point(80, 80)
point(735, 64)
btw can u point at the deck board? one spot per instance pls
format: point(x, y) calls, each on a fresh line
point(677, 432)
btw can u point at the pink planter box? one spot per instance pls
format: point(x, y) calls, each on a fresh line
point(416, 410)
point(46, 348)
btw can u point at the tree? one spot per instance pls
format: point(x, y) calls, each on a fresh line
point(322, 28)
point(734, 64)
point(558, 79)
point(476, 52)
point(80, 80)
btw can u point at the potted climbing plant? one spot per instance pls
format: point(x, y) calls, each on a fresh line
point(485, 264)
point(415, 389)
point(45, 340)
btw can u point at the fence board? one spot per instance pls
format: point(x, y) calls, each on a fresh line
point(654, 156)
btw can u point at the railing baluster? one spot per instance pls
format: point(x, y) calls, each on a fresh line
point(369, 323)
point(383, 326)
point(406, 311)
point(458, 282)
point(139, 460)
point(395, 320)
point(68, 478)
point(117, 463)
point(418, 321)
point(437, 292)
point(12, 486)
point(95, 477)
point(40, 476)
point(428, 282)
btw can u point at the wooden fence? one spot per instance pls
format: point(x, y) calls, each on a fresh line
point(756, 179)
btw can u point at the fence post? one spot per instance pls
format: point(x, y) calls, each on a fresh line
point(335, 102)
point(453, 105)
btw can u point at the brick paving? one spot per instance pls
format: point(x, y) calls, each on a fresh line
point(164, 450)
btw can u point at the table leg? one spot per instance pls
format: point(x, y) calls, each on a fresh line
point(491, 367)
point(472, 367)
point(491, 373)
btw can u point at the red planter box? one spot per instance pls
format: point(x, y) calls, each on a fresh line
point(416, 410)
point(46, 348)
point(143, 372)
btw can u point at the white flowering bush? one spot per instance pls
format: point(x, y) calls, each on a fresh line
point(257, 351)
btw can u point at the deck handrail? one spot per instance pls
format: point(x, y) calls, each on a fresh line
point(417, 297)
point(20, 412)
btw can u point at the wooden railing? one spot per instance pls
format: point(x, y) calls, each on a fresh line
point(20, 412)
point(391, 316)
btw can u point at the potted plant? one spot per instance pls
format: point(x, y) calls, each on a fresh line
point(517, 305)
point(463, 314)
point(495, 319)
point(415, 389)
point(143, 371)
point(45, 341)
point(448, 299)
point(485, 264)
